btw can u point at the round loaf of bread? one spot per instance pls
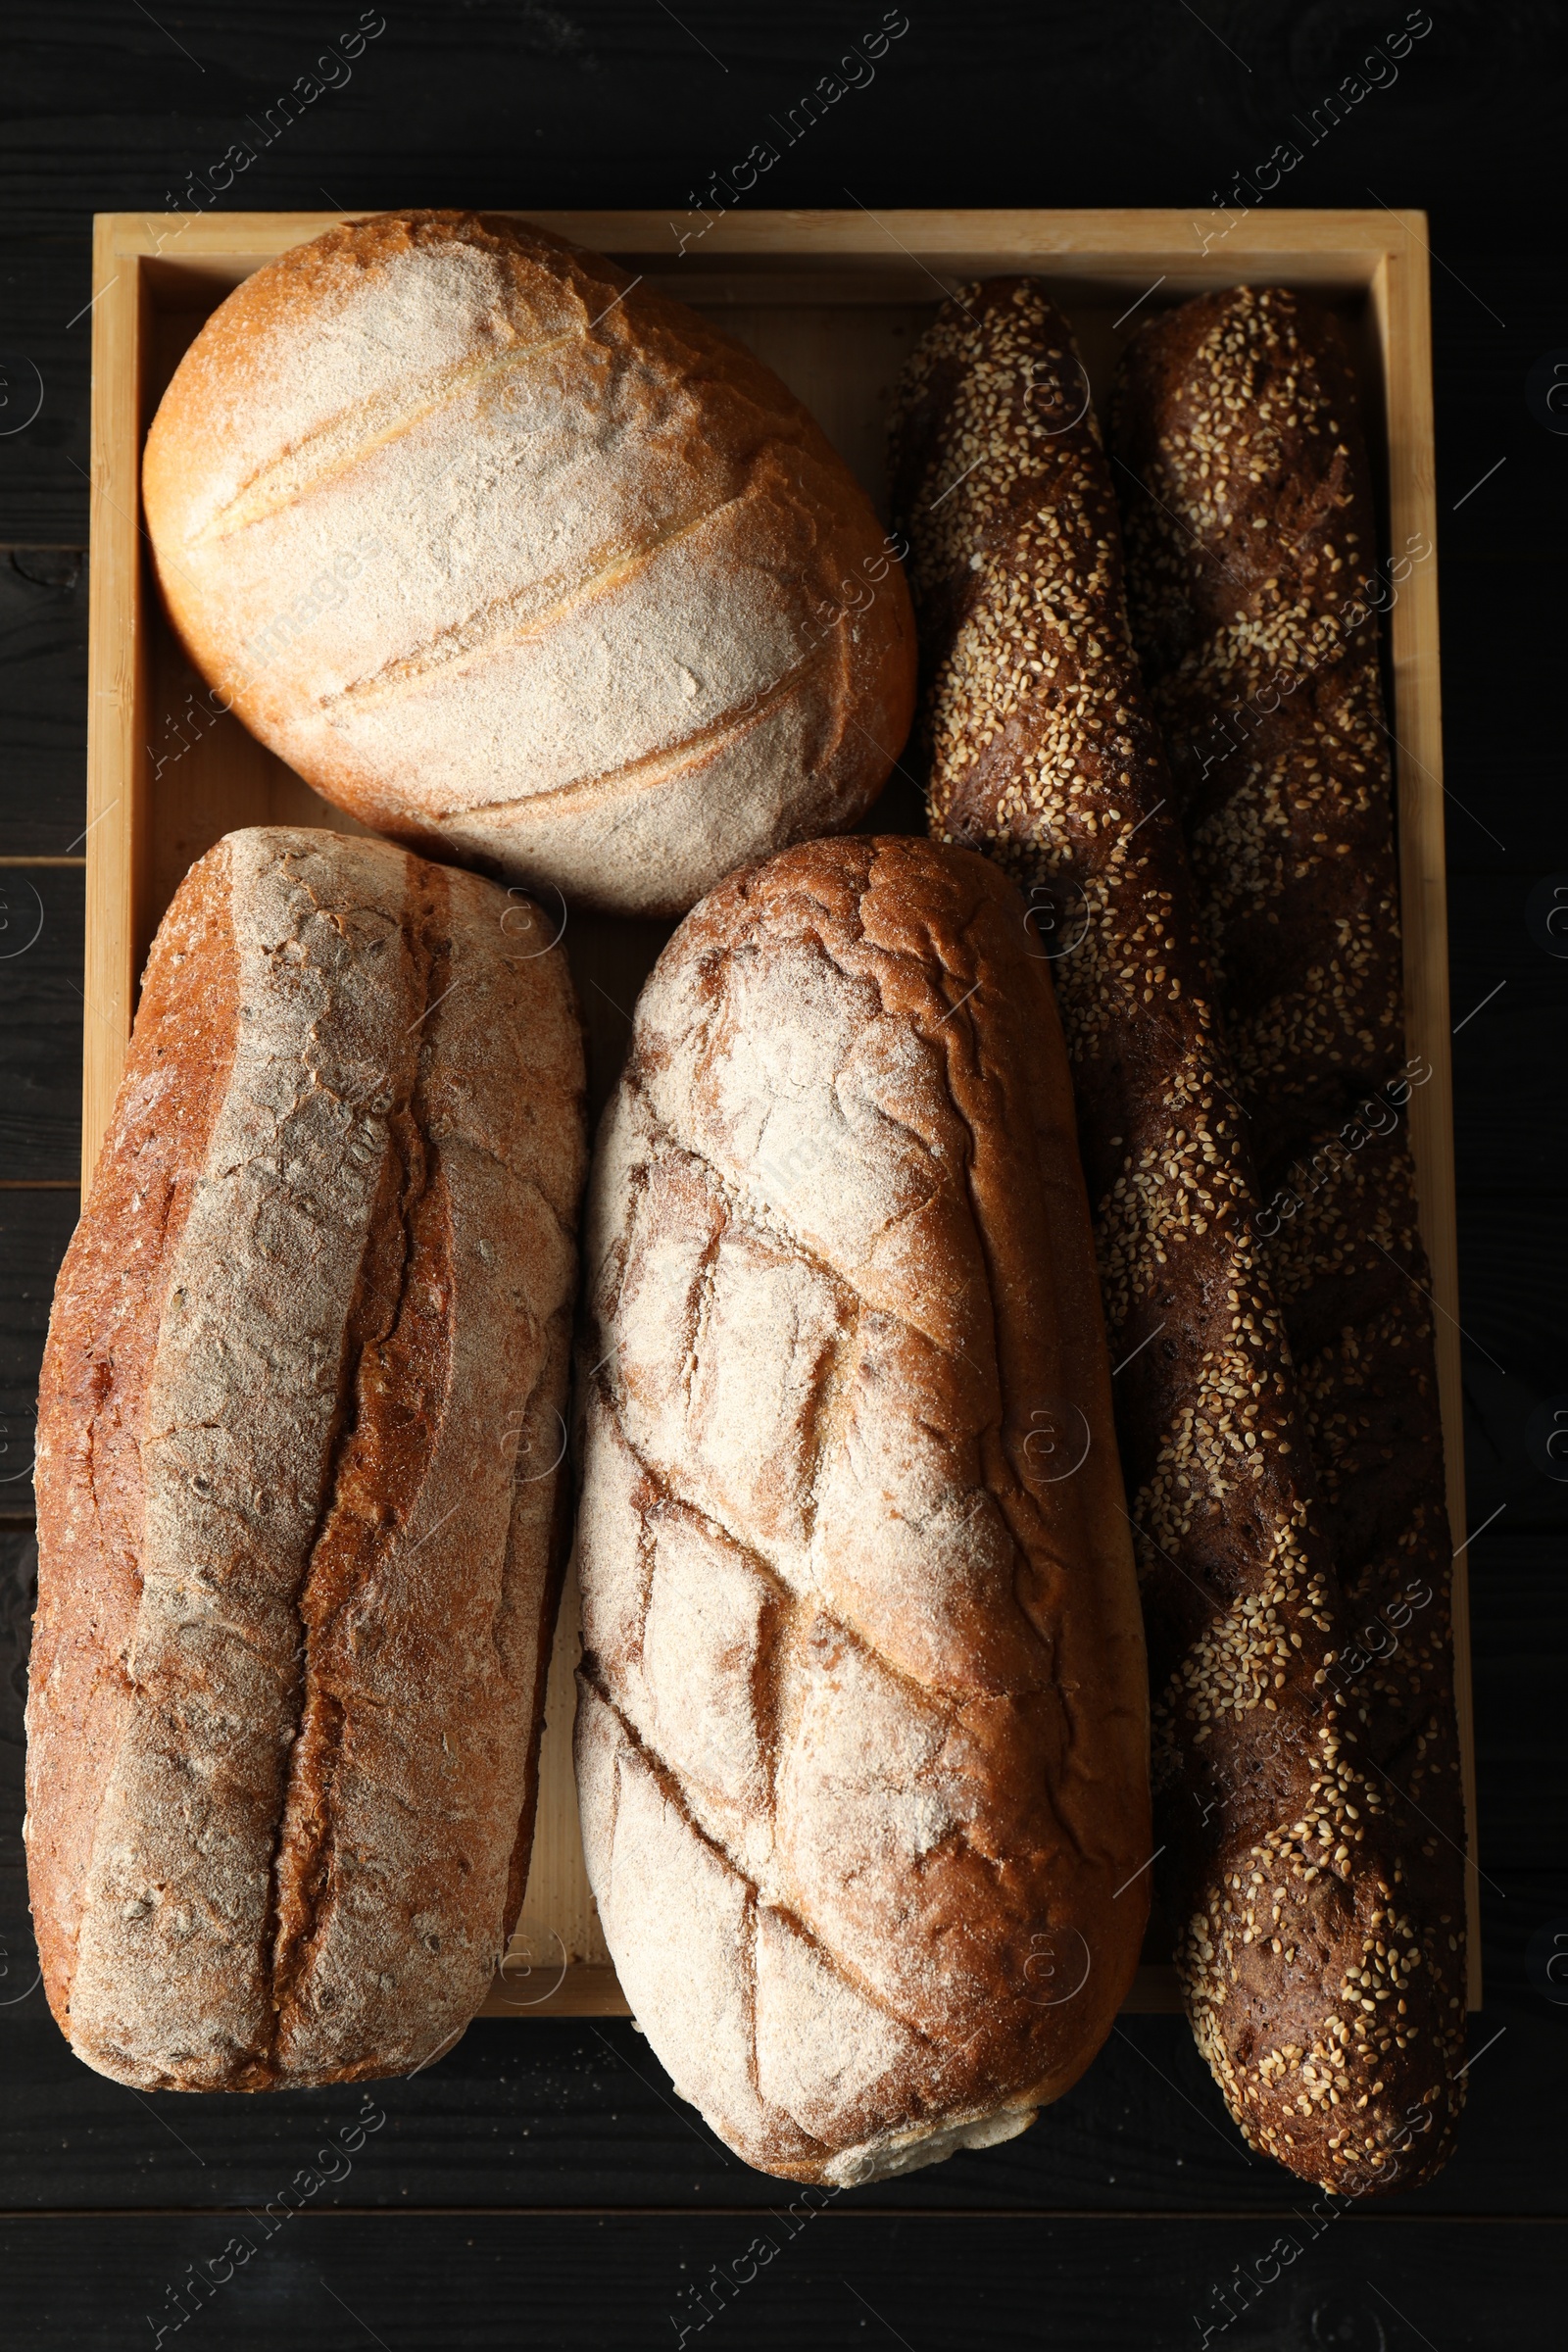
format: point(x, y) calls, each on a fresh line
point(514, 558)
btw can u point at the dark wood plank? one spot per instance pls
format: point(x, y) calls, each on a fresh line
point(829, 2278)
point(1514, 1280)
point(631, 105)
point(1511, 1133)
point(46, 278)
point(570, 2114)
point(18, 1957)
point(1500, 1474)
point(1503, 616)
point(43, 695)
point(1505, 926)
point(1519, 1640)
point(558, 2114)
point(34, 1228)
point(625, 104)
point(41, 1010)
point(1493, 317)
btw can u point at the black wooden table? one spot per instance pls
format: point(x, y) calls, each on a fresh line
point(543, 2185)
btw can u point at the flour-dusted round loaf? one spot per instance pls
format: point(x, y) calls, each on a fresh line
point(504, 552)
point(299, 1426)
point(863, 1732)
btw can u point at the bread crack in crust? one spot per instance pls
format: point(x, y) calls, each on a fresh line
point(1043, 753)
point(519, 561)
point(296, 1572)
point(861, 1743)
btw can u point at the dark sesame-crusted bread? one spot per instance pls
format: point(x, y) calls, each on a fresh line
point(1252, 565)
point(1250, 540)
point(1316, 1986)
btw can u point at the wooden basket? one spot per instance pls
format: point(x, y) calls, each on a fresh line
point(833, 300)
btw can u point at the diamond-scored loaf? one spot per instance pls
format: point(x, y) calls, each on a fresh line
point(504, 551)
point(862, 1741)
point(1319, 1970)
point(298, 1415)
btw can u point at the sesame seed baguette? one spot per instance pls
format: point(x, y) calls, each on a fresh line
point(1303, 1959)
point(1252, 571)
point(1243, 480)
point(1343, 1270)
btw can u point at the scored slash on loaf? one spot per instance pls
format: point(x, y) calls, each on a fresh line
point(862, 1746)
point(298, 1539)
point(504, 551)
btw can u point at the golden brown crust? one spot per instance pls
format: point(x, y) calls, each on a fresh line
point(505, 553)
point(319, 1601)
point(1303, 1946)
point(90, 1478)
point(861, 1746)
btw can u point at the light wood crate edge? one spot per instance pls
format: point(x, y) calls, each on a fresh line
point(1383, 252)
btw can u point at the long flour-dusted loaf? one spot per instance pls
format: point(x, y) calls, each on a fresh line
point(862, 1742)
point(1254, 590)
point(1318, 1980)
point(299, 1415)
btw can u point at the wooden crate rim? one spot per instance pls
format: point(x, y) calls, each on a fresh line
point(1383, 252)
point(1118, 233)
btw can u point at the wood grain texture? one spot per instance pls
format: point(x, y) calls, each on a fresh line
point(840, 290)
point(831, 2278)
point(576, 2114)
point(1170, 112)
point(43, 699)
point(41, 947)
point(44, 465)
point(34, 1228)
point(620, 105)
point(116, 716)
point(1401, 308)
point(1521, 1662)
point(18, 1959)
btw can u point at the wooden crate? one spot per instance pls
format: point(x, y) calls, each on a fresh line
point(833, 300)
